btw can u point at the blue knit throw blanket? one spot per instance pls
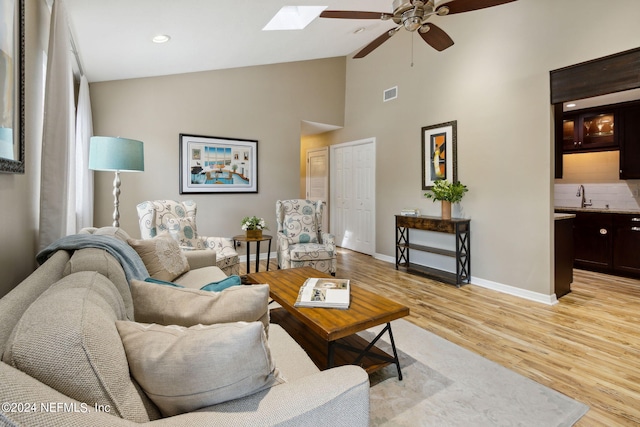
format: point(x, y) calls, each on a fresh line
point(131, 262)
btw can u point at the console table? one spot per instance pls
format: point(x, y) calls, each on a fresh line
point(462, 253)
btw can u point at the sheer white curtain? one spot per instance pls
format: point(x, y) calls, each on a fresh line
point(84, 176)
point(60, 175)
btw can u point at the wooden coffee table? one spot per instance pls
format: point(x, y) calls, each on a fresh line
point(328, 335)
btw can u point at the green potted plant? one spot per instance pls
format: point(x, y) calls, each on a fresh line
point(253, 227)
point(447, 192)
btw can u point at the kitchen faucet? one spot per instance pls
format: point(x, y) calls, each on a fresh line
point(583, 201)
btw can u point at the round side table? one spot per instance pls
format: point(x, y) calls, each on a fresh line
point(248, 240)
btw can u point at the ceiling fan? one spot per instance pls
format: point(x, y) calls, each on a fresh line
point(413, 16)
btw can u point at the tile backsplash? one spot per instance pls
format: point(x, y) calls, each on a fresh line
point(622, 196)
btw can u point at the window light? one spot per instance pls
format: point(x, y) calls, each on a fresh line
point(293, 17)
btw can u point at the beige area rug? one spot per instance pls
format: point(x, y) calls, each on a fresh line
point(446, 385)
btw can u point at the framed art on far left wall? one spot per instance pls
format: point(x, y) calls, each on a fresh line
point(211, 164)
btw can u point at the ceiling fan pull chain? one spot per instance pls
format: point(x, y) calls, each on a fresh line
point(413, 37)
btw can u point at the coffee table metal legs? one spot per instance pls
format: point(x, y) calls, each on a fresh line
point(366, 351)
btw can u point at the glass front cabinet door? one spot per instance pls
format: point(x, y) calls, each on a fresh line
point(592, 131)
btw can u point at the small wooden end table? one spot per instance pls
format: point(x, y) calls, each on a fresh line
point(248, 240)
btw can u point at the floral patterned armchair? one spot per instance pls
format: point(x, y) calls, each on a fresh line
point(179, 218)
point(300, 239)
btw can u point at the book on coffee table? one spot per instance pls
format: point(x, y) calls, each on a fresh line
point(326, 293)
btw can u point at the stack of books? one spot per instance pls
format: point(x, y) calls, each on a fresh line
point(326, 293)
point(410, 212)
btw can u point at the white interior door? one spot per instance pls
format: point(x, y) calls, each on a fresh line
point(353, 195)
point(318, 180)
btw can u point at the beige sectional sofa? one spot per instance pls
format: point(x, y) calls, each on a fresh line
point(78, 349)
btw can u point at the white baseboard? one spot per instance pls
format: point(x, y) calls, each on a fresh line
point(263, 257)
point(495, 286)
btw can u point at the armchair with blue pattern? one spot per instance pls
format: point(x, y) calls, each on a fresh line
point(301, 241)
point(179, 219)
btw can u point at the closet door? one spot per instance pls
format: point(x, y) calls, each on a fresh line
point(353, 195)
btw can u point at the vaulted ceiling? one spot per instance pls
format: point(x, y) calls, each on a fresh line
point(113, 37)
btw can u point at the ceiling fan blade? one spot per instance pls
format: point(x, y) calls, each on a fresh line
point(374, 44)
point(352, 14)
point(436, 37)
point(459, 6)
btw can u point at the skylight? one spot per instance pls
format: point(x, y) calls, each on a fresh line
point(293, 18)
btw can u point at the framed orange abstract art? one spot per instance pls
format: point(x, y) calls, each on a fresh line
point(439, 153)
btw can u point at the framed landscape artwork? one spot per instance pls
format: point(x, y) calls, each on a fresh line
point(210, 164)
point(439, 160)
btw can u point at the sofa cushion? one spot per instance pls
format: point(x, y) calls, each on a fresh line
point(167, 305)
point(310, 252)
point(184, 369)
point(292, 361)
point(67, 339)
point(162, 256)
point(196, 278)
point(101, 261)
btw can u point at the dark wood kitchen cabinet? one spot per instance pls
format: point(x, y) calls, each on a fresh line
point(607, 242)
point(630, 142)
point(563, 255)
point(626, 253)
point(592, 240)
point(593, 130)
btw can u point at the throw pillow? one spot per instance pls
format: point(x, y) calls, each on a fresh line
point(184, 369)
point(183, 231)
point(168, 305)
point(220, 285)
point(162, 256)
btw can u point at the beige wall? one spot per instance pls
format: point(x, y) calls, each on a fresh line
point(266, 103)
point(495, 82)
point(19, 194)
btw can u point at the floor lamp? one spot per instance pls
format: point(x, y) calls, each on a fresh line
point(107, 153)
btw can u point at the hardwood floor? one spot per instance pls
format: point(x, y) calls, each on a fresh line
point(587, 346)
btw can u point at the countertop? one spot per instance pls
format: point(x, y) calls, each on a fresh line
point(564, 209)
point(559, 216)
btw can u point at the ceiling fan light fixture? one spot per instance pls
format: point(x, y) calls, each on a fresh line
point(442, 11)
point(412, 24)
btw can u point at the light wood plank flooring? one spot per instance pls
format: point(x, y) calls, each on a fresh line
point(587, 346)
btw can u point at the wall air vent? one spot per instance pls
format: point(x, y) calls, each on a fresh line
point(389, 94)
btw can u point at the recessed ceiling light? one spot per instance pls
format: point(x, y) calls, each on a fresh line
point(293, 17)
point(571, 105)
point(161, 38)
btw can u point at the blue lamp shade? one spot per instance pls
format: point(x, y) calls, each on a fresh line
point(107, 153)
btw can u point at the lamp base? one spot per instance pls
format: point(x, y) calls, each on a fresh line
point(116, 200)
